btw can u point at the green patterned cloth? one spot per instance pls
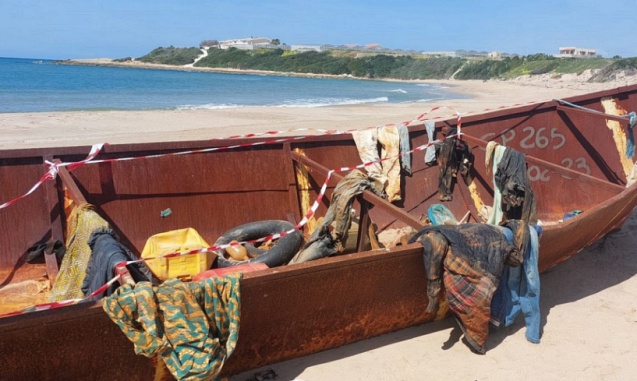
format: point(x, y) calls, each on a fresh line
point(193, 327)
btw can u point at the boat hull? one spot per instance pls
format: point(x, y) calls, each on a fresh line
point(292, 311)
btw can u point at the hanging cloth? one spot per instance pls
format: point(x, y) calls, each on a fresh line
point(430, 152)
point(389, 140)
point(387, 171)
point(81, 223)
point(405, 149)
point(470, 272)
point(193, 327)
point(330, 236)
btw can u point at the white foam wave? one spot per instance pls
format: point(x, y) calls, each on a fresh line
point(433, 86)
point(321, 102)
point(317, 102)
point(210, 106)
point(398, 91)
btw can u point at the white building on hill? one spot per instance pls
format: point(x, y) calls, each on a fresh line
point(572, 52)
point(245, 43)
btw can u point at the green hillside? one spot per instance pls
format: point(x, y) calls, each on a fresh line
point(384, 66)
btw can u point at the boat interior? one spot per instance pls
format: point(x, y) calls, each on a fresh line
point(576, 162)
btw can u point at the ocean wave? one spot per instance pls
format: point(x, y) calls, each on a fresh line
point(398, 91)
point(428, 99)
point(433, 86)
point(210, 106)
point(322, 102)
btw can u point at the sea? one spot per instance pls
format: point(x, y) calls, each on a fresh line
point(38, 85)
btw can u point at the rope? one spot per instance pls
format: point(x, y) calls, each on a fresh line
point(631, 117)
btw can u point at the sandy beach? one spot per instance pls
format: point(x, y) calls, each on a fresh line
point(31, 130)
point(589, 303)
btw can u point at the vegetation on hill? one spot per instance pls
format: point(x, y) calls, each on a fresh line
point(384, 66)
point(171, 56)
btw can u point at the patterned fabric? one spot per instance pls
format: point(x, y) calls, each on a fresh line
point(80, 224)
point(468, 260)
point(193, 327)
point(469, 294)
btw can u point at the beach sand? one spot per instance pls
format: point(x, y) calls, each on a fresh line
point(589, 303)
point(48, 129)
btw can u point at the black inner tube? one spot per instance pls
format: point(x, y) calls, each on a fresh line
point(285, 248)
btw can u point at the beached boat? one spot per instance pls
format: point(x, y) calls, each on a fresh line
point(576, 152)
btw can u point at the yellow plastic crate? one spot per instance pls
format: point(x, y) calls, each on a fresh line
point(183, 267)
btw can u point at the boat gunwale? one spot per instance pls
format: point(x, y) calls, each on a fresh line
point(10, 323)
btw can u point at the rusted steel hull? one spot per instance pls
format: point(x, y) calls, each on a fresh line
point(575, 160)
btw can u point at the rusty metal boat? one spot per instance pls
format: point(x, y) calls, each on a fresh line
point(576, 155)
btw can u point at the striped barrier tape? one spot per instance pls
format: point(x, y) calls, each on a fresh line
point(52, 172)
point(303, 222)
point(95, 149)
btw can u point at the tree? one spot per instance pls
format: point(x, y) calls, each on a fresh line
point(276, 42)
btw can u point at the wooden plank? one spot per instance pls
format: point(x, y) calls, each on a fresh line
point(75, 193)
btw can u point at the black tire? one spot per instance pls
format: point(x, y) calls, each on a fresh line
point(285, 248)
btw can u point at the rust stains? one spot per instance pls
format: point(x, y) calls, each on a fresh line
point(611, 106)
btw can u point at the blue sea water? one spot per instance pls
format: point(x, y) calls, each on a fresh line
point(33, 85)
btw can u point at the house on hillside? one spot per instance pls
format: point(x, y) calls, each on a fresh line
point(245, 43)
point(572, 52)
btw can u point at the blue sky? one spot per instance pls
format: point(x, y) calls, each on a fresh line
point(63, 29)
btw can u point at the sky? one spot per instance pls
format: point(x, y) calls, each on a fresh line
point(68, 29)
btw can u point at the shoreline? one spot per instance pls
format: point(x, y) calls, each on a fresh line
point(84, 128)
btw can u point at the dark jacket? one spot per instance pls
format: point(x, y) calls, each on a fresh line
point(107, 251)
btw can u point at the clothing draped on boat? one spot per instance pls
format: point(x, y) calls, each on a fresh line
point(405, 149)
point(430, 152)
point(393, 152)
point(454, 155)
point(513, 197)
point(519, 291)
point(330, 235)
point(193, 327)
point(468, 259)
point(519, 288)
point(107, 252)
point(81, 223)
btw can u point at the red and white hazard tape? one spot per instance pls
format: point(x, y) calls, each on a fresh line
point(303, 222)
point(52, 172)
point(68, 302)
point(53, 167)
point(307, 216)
